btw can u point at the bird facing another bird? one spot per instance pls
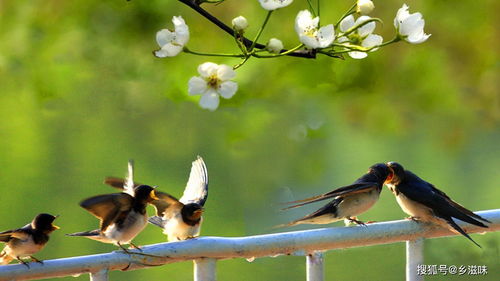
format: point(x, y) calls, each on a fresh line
point(180, 219)
point(348, 201)
point(122, 215)
point(424, 202)
point(416, 197)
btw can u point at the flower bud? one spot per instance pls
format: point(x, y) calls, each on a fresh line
point(240, 23)
point(274, 46)
point(365, 7)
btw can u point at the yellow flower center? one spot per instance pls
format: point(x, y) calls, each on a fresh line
point(213, 81)
point(310, 32)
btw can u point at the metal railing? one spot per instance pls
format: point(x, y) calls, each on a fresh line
point(205, 251)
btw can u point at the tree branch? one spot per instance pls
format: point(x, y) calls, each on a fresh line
point(310, 54)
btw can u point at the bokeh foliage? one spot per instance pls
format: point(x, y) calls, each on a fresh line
point(80, 93)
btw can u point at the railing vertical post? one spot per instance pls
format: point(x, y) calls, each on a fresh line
point(414, 258)
point(204, 269)
point(101, 275)
point(314, 267)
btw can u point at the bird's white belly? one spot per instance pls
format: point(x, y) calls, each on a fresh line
point(413, 208)
point(356, 204)
point(176, 229)
point(21, 248)
point(135, 224)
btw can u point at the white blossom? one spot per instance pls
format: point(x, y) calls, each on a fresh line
point(274, 46)
point(212, 83)
point(364, 7)
point(307, 28)
point(172, 42)
point(274, 4)
point(240, 23)
point(360, 37)
point(410, 27)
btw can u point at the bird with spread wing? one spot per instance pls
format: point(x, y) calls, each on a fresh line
point(122, 215)
point(180, 218)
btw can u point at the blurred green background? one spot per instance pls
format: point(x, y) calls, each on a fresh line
point(81, 93)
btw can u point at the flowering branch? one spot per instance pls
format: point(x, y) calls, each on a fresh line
point(352, 34)
point(195, 5)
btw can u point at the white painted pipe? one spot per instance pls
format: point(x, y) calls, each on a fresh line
point(204, 269)
point(244, 247)
point(314, 267)
point(414, 258)
point(101, 275)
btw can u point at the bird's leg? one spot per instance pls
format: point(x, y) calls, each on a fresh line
point(355, 220)
point(135, 246)
point(123, 248)
point(412, 218)
point(36, 260)
point(23, 262)
point(130, 253)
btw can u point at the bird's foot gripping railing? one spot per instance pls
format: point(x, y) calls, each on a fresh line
point(205, 251)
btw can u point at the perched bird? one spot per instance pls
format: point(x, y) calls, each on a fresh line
point(424, 202)
point(122, 215)
point(27, 240)
point(180, 219)
point(348, 201)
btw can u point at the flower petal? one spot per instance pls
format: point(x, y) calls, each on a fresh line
point(207, 69)
point(410, 24)
point(181, 30)
point(304, 21)
point(347, 23)
point(372, 40)
point(209, 100)
point(274, 4)
point(225, 72)
point(343, 39)
point(309, 42)
point(228, 89)
point(168, 50)
point(418, 38)
point(367, 28)
point(358, 55)
point(326, 34)
point(197, 85)
point(164, 37)
point(401, 15)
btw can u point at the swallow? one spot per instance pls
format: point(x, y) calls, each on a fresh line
point(424, 202)
point(180, 219)
point(122, 215)
point(348, 201)
point(27, 240)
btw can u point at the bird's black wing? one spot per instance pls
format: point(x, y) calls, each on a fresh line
point(108, 207)
point(456, 205)
point(330, 208)
point(164, 203)
point(117, 182)
point(20, 233)
point(345, 190)
point(426, 194)
point(196, 190)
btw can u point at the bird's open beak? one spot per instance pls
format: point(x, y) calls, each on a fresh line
point(390, 176)
point(152, 194)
